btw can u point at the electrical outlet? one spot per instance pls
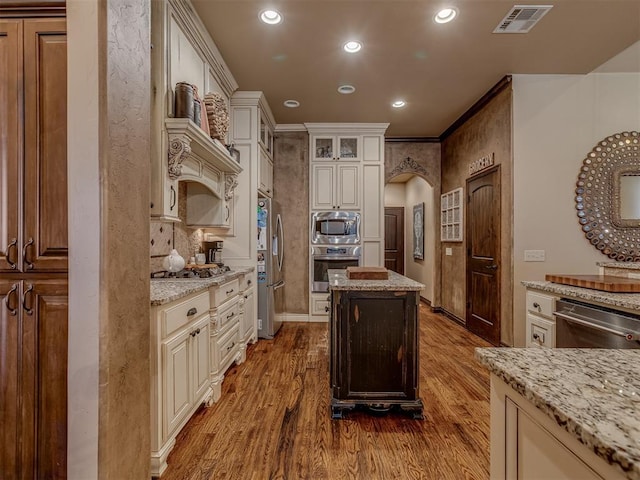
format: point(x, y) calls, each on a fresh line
point(534, 256)
point(448, 251)
point(259, 324)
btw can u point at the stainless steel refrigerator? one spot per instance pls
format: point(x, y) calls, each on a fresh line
point(270, 262)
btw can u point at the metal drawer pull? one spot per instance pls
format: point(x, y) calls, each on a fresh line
point(24, 254)
point(229, 291)
point(230, 315)
point(195, 332)
point(536, 305)
point(192, 311)
point(536, 336)
point(326, 309)
point(249, 282)
point(14, 244)
point(12, 311)
point(24, 300)
point(231, 346)
point(626, 335)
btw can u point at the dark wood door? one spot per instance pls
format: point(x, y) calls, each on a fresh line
point(10, 141)
point(45, 240)
point(394, 239)
point(483, 255)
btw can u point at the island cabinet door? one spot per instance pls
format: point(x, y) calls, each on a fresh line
point(375, 341)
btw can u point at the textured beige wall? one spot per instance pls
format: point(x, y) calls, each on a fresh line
point(427, 156)
point(109, 139)
point(489, 131)
point(423, 271)
point(291, 191)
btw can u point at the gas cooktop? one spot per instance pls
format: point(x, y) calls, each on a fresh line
point(192, 273)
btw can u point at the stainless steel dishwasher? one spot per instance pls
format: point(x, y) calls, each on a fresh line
point(584, 325)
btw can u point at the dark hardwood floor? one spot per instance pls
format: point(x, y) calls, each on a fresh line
point(273, 420)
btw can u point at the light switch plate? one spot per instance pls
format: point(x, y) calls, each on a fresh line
point(448, 251)
point(534, 256)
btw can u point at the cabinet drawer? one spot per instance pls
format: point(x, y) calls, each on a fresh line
point(541, 304)
point(321, 304)
point(540, 332)
point(227, 347)
point(228, 314)
point(178, 315)
point(225, 291)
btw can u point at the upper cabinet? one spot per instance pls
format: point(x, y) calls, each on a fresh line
point(335, 148)
point(182, 149)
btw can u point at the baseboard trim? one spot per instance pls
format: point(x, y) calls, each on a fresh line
point(449, 315)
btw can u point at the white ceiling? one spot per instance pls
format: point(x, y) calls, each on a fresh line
point(439, 70)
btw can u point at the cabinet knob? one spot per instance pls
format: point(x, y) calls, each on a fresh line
point(326, 309)
point(536, 336)
point(536, 305)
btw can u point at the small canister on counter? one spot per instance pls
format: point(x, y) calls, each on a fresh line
point(184, 100)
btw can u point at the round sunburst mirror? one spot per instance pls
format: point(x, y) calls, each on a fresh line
point(608, 197)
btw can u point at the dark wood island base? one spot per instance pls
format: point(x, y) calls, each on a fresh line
point(374, 345)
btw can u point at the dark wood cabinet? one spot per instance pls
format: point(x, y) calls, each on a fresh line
point(374, 351)
point(33, 246)
point(33, 150)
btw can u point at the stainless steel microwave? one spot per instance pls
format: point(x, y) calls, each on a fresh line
point(335, 228)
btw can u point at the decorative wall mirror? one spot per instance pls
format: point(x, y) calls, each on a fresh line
point(608, 196)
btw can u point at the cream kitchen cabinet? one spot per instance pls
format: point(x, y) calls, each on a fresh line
point(248, 313)
point(180, 370)
point(265, 174)
point(335, 148)
point(335, 186)
point(225, 332)
point(540, 324)
point(526, 444)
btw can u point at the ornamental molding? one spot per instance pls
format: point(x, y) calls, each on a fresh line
point(230, 184)
point(179, 150)
point(408, 165)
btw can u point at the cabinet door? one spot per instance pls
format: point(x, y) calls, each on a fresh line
point(323, 148)
point(323, 187)
point(176, 364)
point(348, 187)
point(265, 174)
point(33, 375)
point(11, 144)
point(200, 355)
point(45, 242)
point(248, 318)
point(348, 148)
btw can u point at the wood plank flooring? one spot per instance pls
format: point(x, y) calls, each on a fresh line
point(273, 420)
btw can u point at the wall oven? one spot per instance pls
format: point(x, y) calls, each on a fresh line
point(583, 326)
point(335, 228)
point(326, 258)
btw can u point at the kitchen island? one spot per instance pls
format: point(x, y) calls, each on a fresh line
point(564, 413)
point(374, 344)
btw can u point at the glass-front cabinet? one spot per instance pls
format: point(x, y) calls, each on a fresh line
point(334, 148)
point(266, 136)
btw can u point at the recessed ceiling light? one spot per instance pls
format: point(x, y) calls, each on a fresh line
point(346, 89)
point(291, 103)
point(398, 104)
point(446, 15)
point(272, 17)
point(352, 46)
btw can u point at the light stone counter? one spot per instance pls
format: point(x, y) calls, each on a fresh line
point(593, 394)
point(338, 281)
point(623, 300)
point(165, 290)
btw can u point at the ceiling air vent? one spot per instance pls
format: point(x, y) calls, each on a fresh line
point(522, 18)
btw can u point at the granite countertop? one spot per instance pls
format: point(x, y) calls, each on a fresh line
point(165, 290)
point(338, 281)
point(624, 300)
point(593, 394)
point(623, 265)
